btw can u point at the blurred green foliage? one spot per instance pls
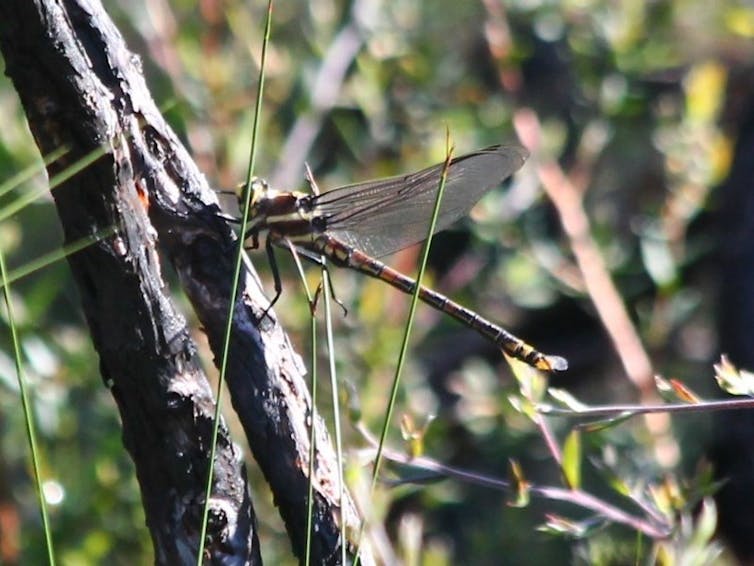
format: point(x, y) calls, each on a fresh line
point(632, 90)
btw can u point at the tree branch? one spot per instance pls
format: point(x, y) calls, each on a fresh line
point(82, 88)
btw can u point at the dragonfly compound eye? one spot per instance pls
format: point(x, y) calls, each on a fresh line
point(259, 189)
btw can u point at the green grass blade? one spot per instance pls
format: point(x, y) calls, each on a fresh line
point(406, 336)
point(55, 181)
point(258, 106)
point(55, 255)
point(409, 323)
point(234, 287)
point(28, 412)
point(312, 429)
point(7, 211)
point(326, 292)
point(312, 442)
point(29, 172)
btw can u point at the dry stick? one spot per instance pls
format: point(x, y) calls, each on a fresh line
point(568, 201)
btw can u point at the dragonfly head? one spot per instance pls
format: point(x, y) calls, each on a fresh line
point(259, 189)
point(257, 193)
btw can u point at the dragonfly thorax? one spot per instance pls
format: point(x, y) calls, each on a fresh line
point(282, 213)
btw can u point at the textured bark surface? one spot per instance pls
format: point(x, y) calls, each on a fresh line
point(82, 89)
point(71, 70)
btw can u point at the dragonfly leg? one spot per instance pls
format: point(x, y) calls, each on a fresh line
point(277, 282)
point(318, 292)
point(315, 300)
point(310, 180)
point(228, 218)
point(223, 215)
point(332, 291)
point(297, 258)
point(319, 260)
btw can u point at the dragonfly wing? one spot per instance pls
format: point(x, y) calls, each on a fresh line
point(383, 216)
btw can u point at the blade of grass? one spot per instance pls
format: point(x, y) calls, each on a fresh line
point(56, 255)
point(7, 211)
point(312, 441)
point(326, 291)
point(55, 180)
point(28, 412)
point(75, 167)
point(410, 320)
point(407, 334)
point(236, 279)
point(29, 172)
point(314, 386)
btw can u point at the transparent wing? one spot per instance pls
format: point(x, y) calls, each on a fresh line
point(383, 216)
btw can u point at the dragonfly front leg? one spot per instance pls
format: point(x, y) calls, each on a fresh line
point(277, 282)
point(296, 258)
point(310, 180)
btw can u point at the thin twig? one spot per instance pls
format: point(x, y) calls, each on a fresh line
point(568, 200)
point(630, 410)
point(649, 526)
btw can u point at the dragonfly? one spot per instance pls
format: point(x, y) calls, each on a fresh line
point(354, 225)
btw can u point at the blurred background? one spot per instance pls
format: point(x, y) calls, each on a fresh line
point(638, 116)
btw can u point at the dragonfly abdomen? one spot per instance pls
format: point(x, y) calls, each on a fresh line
point(346, 256)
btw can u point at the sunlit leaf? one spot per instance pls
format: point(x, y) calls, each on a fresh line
point(413, 434)
point(522, 486)
point(684, 392)
point(604, 424)
point(658, 260)
point(566, 399)
point(559, 525)
point(674, 390)
point(532, 383)
point(572, 459)
point(706, 521)
point(705, 87)
point(740, 20)
point(618, 483)
point(523, 406)
point(733, 380)
point(666, 496)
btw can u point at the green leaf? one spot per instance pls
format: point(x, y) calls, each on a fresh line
point(566, 399)
point(610, 422)
point(706, 522)
point(572, 459)
point(522, 486)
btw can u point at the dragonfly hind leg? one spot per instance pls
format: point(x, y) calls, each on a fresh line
point(277, 282)
point(318, 292)
point(296, 252)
